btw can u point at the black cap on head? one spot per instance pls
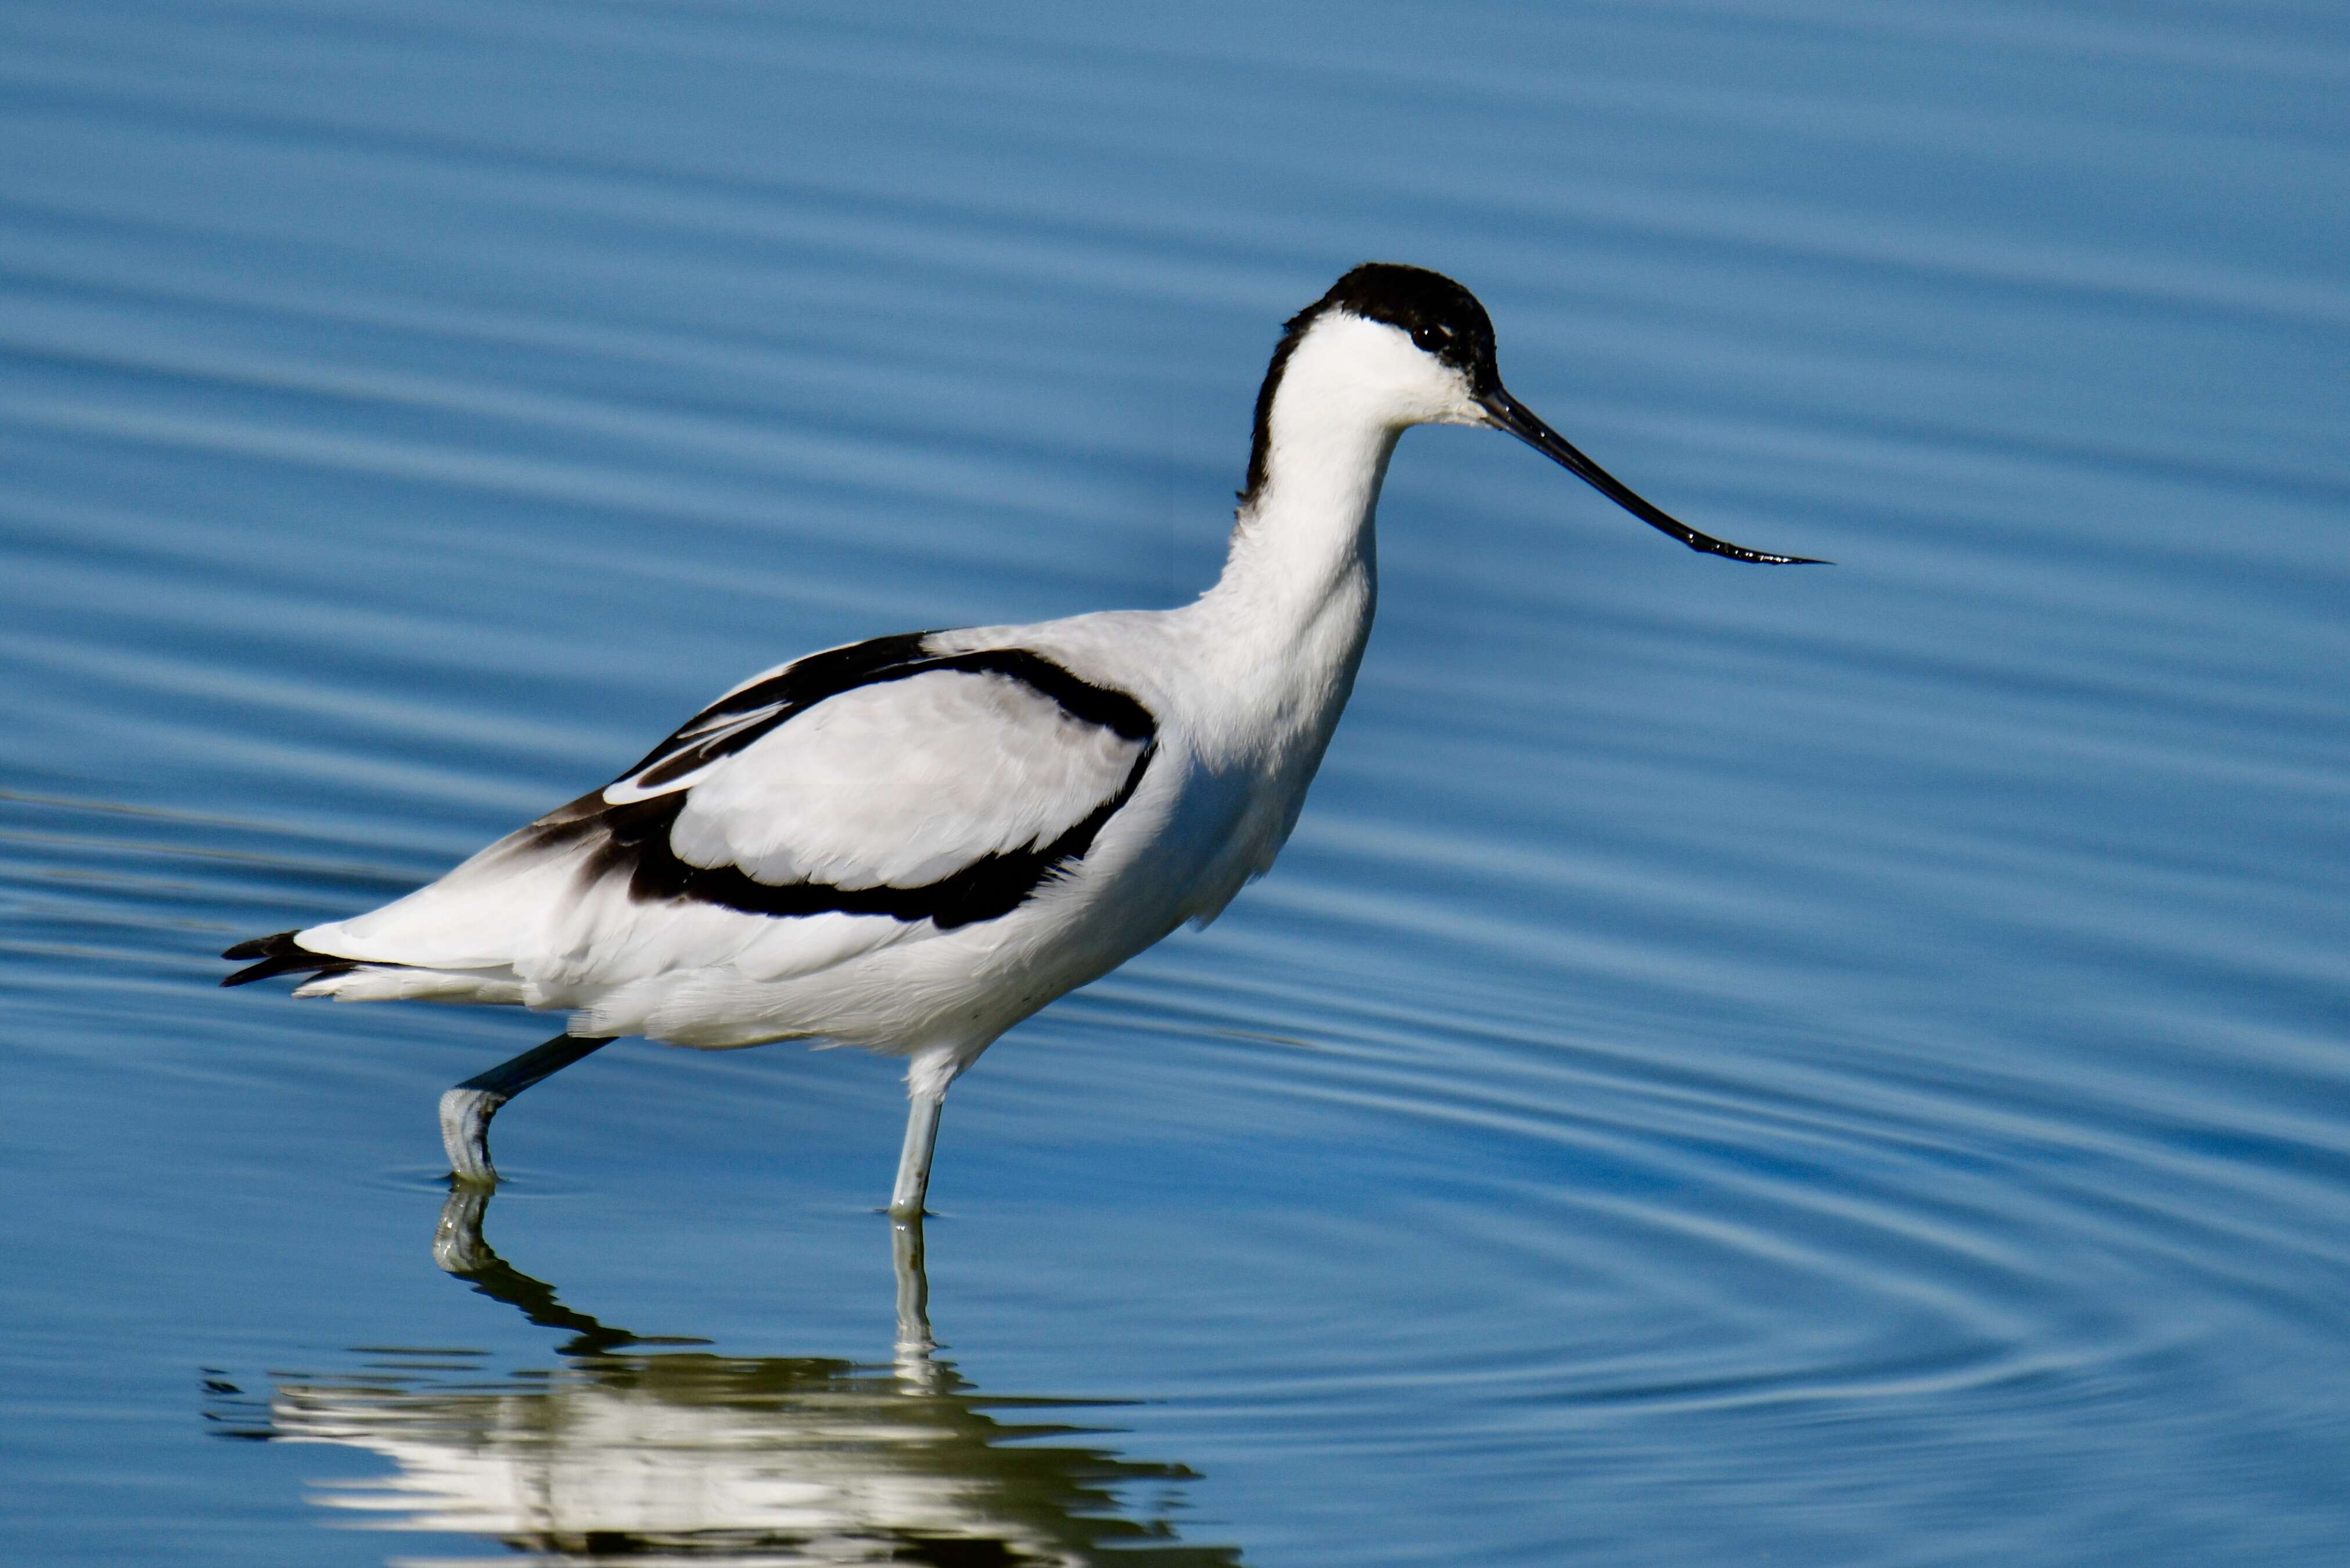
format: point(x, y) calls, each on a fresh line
point(1442, 318)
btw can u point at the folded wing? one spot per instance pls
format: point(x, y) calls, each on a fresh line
point(877, 779)
point(943, 788)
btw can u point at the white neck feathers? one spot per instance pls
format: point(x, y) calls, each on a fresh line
point(1303, 532)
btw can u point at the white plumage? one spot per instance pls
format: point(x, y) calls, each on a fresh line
point(910, 844)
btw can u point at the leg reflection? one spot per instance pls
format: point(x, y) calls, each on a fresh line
point(625, 1449)
point(459, 1248)
point(915, 1344)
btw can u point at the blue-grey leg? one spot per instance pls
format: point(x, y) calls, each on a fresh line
point(466, 1110)
point(927, 1078)
point(913, 1184)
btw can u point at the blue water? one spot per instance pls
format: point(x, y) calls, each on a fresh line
point(1831, 1066)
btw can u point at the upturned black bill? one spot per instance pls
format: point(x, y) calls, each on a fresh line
point(1514, 417)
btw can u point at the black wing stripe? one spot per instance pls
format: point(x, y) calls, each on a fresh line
point(1111, 708)
point(730, 725)
point(989, 887)
point(634, 838)
point(796, 686)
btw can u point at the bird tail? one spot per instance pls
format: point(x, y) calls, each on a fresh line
point(281, 954)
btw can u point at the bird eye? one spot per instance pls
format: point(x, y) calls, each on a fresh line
point(1429, 337)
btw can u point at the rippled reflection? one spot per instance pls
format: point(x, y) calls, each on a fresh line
point(630, 1452)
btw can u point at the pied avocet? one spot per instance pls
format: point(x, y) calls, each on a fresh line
point(911, 844)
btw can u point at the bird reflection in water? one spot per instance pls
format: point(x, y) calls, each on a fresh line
point(636, 1449)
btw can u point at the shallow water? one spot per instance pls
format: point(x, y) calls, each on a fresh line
point(1844, 1065)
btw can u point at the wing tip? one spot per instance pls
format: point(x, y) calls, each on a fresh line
point(281, 954)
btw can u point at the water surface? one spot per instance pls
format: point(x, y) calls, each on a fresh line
point(1843, 1065)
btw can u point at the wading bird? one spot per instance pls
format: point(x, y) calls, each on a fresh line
point(910, 844)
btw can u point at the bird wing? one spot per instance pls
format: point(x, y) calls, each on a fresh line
point(878, 779)
point(939, 787)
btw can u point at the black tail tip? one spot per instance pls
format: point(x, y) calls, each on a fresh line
point(281, 954)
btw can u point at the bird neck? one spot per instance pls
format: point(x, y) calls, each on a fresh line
point(1303, 541)
point(1285, 627)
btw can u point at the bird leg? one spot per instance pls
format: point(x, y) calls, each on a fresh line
point(927, 1078)
point(466, 1110)
point(914, 1160)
